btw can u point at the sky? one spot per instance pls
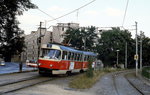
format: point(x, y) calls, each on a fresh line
point(100, 13)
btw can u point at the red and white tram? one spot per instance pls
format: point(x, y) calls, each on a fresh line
point(58, 59)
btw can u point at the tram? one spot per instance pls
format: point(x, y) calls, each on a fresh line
point(59, 59)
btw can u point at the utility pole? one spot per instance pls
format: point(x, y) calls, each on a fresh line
point(39, 42)
point(84, 43)
point(136, 55)
point(117, 56)
point(126, 53)
point(141, 36)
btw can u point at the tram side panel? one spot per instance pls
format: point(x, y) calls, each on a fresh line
point(59, 67)
point(62, 66)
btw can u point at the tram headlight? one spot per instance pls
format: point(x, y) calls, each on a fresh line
point(51, 65)
point(39, 64)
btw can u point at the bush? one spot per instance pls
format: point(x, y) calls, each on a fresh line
point(146, 72)
point(89, 72)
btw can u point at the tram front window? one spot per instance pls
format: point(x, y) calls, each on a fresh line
point(51, 54)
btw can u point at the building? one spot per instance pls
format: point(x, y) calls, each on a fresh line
point(60, 29)
point(32, 43)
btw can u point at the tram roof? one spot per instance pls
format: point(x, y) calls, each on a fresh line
point(77, 51)
point(89, 53)
point(70, 49)
point(65, 48)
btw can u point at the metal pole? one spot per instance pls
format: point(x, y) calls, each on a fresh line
point(20, 64)
point(136, 60)
point(117, 56)
point(141, 34)
point(39, 43)
point(126, 55)
point(84, 43)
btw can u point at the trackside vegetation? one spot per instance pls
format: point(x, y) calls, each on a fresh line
point(83, 81)
point(89, 72)
point(146, 72)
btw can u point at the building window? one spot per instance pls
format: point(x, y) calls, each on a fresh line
point(62, 28)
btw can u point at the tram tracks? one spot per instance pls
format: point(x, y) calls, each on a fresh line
point(134, 85)
point(16, 81)
point(123, 74)
point(20, 84)
point(114, 84)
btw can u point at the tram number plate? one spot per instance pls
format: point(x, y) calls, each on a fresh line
point(71, 67)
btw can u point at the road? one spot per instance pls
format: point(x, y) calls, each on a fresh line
point(118, 83)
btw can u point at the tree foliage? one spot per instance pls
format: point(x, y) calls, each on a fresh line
point(110, 42)
point(11, 41)
point(145, 51)
point(83, 39)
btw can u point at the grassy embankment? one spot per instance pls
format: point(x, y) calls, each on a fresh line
point(82, 81)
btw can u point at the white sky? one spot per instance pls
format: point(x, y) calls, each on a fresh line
point(101, 13)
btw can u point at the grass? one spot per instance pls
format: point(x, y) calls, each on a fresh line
point(82, 81)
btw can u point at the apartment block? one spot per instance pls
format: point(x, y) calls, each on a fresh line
point(60, 29)
point(31, 42)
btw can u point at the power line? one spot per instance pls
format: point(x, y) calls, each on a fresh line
point(125, 13)
point(47, 14)
point(72, 11)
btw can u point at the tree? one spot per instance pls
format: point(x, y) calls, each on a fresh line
point(110, 42)
point(145, 53)
point(82, 39)
point(11, 41)
point(73, 38)
point(90, 38)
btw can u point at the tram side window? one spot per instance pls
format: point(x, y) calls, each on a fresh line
point(72, 56)
point(85, 58)
point(80, 57)
point(69, 55)
point(75, 56)
point(64, 56)
point(94, 58)
point(91, 58)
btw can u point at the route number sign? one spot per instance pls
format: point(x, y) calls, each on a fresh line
point(136, 57)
